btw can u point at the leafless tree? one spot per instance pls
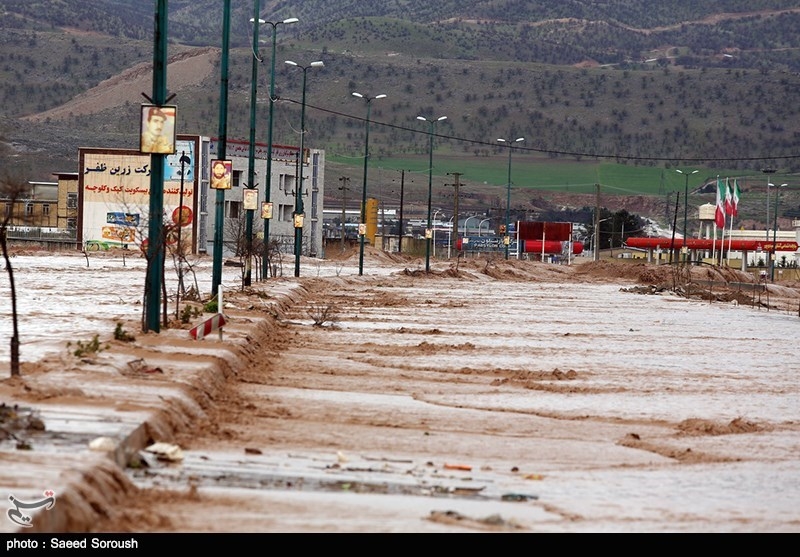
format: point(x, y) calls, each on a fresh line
point(235, 235)
point(12, 190)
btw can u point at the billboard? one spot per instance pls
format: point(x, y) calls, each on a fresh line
point(114, 197)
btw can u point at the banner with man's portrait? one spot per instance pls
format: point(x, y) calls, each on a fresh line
point(157, 129)
point(221, 173)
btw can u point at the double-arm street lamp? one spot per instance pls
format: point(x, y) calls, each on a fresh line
point(768, 171)
point(298, 201)
point(268, 186)
point(506, 239)
point(363, 230)
point(428, 231)
point(775, 232)
point(251, 166)
point(686, 174)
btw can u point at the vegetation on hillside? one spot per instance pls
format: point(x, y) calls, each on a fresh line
point(712, 85)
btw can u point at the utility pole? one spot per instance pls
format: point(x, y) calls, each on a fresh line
point(596, 254)
point(344, 180)
point(456, 185)
point(400, 227)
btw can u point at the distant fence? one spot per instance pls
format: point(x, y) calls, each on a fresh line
point(51, 238)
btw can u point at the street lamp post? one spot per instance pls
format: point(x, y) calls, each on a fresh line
point(686, 175)
point(344, 188)
point(506, 239)
point(450, 235)
point(596, 239)
point(775, 233)
point(362, 233)
point(480, 225)
point(466, 220)
point(428, 232)
point(219, 201)
point(767, 171)
point(251, 161)
point(400, 224)
point(268, 186)
point(433, 229)
point(298, 201)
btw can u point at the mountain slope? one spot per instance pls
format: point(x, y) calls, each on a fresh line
point(713, 84)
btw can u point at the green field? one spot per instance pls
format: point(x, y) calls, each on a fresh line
point(546, 174)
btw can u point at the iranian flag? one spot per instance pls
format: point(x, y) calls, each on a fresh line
point(719, 214)
point(736, 196)
point(728, 199)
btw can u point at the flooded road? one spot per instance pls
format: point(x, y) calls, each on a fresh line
point(525, 399)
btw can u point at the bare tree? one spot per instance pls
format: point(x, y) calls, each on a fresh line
point(12, 190)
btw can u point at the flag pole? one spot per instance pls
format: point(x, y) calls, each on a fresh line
point(716, 210)
point(729, 207)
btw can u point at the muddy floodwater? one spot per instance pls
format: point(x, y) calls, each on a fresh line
point(505, 396)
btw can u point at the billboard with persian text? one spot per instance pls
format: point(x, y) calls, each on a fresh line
point(114, 197)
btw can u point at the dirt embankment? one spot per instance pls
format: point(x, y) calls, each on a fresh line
point(185, 69)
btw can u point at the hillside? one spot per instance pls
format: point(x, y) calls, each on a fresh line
point(713, 87)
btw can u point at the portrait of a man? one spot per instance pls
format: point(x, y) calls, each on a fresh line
point(157, 130)
point(221, 174)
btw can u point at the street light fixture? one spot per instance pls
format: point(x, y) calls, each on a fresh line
point(480, 226)
point(268, 186)
point(466, 221)
point(428, 232)
point(251, 160)
point(362, 232)
point(506, 239)
point(775, 233)
point(686, 174)
point(435, 212)
point(298, 201)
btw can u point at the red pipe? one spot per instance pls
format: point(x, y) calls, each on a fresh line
point(707, 243)
point(551, 247)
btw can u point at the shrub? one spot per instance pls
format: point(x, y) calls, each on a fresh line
point(88, 348)
point(122, 334)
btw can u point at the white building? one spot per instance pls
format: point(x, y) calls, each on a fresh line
point(285, 175)
point(114, 193)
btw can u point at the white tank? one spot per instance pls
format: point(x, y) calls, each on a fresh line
point(707, 211)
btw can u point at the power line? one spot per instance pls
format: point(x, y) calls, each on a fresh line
point(553, 151)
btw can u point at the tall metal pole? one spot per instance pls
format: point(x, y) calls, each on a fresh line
point(596, 250)
point(428, 231)
point(155, 246)
point(767, 171)
point(184, 160)
point(344, 188)
point(268, 184)
point(400, 228)
point(774, 257)
point(362, 233)
point(251, 160)
point(685, 208)
point(219, 208)
point(298, 206)
point(506, 238)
